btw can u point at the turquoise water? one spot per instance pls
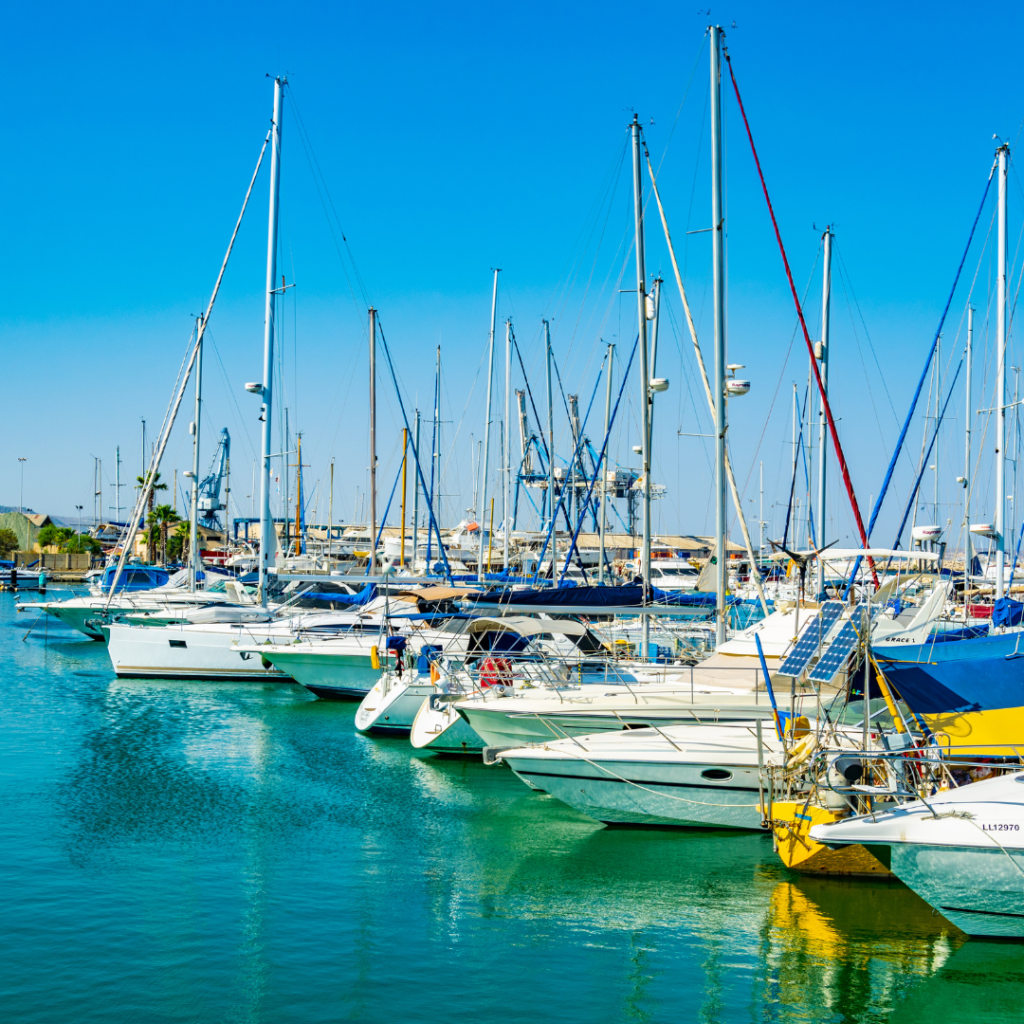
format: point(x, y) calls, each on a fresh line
point(178, 852)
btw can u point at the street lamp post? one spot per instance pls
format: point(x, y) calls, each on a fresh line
point(79, 507)
point(21, 498)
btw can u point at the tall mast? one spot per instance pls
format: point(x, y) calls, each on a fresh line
point(298, 494)
point(330, 519)
point(654, 314)
point(968, 552)
point(416, 498)
point(645, 375)
point(718, 260)
point(826, 309)
point(604, 465)
point(371, 566)
point(435, 508)
point(268, 540)
point(507, 503)
point(227, 496)
point(405, 465)
point(551, 442)
point(1000, 507)
point(193, 516)
point(760, 518)
point(286, 545)
point(487, 426)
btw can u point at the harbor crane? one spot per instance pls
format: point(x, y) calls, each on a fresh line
point(210, 489)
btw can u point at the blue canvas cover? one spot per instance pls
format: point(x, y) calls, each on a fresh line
point(1007, 612)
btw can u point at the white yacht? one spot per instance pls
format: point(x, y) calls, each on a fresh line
point(90, 614)
point(682, 775)
point(961, 850)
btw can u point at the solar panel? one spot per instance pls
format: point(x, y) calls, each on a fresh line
point(838, 651)
point(830, 613)
point(814, 633)
point(806, 645)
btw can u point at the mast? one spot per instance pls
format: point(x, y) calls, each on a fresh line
point(434, 466)
point(551, 442)
point(405, 463)
point(193, 516)
point(604, 466)
point(298, 494)
point(507, 503)
point(371, 565)
point(968, 552)
point(227, 496)
point(487, 424)
point(718, 259)
point(760, 519)
point(1000, 506)
point(268, 538)
point(654, 315)
point(935, 464)
point(117, 482)
point(416, 501)
point(286, 479)
point(645, 375)
point(330, 519)
point(826, 309)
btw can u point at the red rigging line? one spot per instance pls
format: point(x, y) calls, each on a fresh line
point(810, 347)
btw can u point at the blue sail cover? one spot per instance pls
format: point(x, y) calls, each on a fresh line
point(630, 595)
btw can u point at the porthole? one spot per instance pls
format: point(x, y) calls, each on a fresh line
point(716, 774)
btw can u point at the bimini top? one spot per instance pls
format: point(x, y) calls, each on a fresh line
point(526, 626)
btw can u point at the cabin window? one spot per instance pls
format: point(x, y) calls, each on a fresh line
point(177, 643)
point(716, 774)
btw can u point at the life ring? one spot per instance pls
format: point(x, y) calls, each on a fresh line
point(495, 671)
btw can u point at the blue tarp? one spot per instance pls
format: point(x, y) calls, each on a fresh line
point(1007, 612)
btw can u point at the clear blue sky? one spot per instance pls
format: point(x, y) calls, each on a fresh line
point(456, 138)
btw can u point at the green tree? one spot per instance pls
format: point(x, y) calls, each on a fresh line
point(49, 535)
point(64, 538)
point(8, 542)
point(80, 543)
point(177, 543)
point(157, 486)
point(161, 519)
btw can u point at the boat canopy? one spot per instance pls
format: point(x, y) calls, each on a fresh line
point(526, 626)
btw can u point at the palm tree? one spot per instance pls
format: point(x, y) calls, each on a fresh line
point(157, 486)
point(163, 516)
point(176, 545)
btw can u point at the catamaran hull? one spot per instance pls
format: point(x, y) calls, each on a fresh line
point(642, 793)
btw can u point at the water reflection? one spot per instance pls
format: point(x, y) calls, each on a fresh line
point(239, 853)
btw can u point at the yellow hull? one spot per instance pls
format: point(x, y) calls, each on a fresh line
point(791, 823)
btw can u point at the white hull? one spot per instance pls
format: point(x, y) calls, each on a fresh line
point(980, 891)
point(688, 776)
point(392, 706)
point(192, 652)
point(962, 852)
point(442, 730)
point(513, 722)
